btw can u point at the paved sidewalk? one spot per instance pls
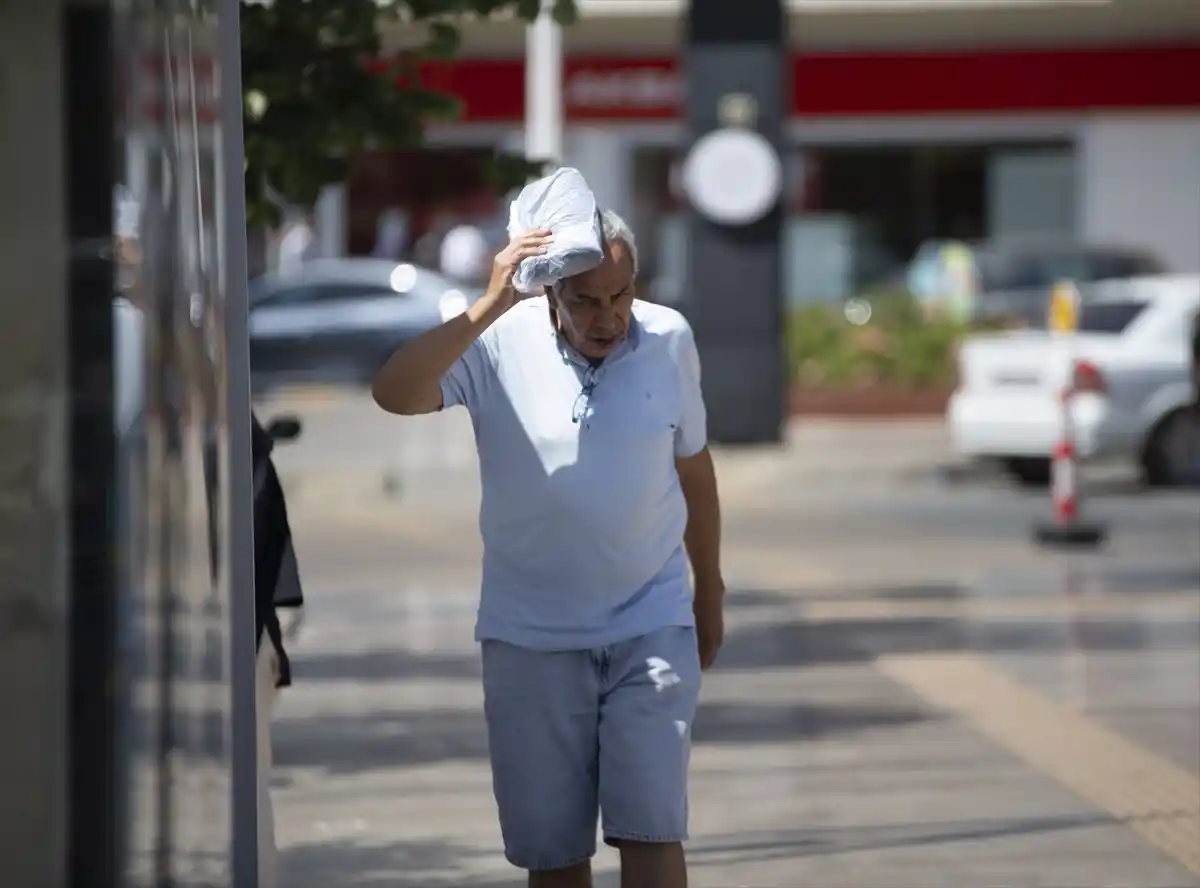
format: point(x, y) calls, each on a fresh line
point(910, 694)
point(848, 739)
point(811, 766)
point(352, 457)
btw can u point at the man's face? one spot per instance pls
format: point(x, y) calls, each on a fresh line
point(594, 307)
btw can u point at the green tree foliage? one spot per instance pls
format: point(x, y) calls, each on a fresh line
point(318, 86)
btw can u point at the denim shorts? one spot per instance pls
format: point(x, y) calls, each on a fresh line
point(574, 735)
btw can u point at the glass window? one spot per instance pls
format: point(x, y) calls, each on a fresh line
point(818, 258)
point(1113, 266)
point(1033, 269)
point(1031, 191)
point(256, 290)
point(1109, 317)
point(401, 203)
point(1050, 268)
point(347, 292)
point(1000, 271)
point(297, 295)
point(856, 213)
point(313, 294)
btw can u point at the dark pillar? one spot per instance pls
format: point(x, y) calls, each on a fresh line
point(89, 169)
point(733, 294)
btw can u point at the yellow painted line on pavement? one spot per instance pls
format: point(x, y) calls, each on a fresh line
point(1157, 799)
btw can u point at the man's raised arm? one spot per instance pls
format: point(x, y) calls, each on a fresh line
point(410, 382)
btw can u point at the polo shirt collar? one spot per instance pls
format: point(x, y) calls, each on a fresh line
point(628, 345)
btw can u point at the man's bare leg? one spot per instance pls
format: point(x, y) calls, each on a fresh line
point(577, 876)
point(653, 865)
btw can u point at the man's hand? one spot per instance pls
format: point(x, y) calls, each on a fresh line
point(709, 610)
point(500, 292)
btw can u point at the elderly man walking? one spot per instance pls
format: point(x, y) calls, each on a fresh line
point(598, 488)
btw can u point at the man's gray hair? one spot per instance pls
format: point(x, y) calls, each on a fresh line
point(613, 230)
point(616, 230)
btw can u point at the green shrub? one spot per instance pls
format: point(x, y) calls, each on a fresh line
point(900, 346)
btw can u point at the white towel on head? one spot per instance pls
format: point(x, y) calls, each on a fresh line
point(563, 203)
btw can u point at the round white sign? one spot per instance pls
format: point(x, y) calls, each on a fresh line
point(733, 176)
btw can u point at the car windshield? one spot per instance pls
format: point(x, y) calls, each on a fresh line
point(407, 281)
point(256, 290)
point(1109, 317)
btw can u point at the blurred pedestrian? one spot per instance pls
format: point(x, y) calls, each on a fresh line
point(297, 244)
point(598, 488)
point(463, 255)
point(427, 249)
point(391, 234)
point(276, 585)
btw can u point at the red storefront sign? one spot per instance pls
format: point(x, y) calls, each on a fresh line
point(850, 84)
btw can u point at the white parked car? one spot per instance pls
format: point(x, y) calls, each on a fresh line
point(1130, 366)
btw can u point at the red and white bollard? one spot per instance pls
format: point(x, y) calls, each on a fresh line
point(1067, 527)
point(1063, 480)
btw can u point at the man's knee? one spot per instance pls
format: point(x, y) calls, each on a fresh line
point(645, 732)
point(656, 864)
point(578, 875)
point(542, 714)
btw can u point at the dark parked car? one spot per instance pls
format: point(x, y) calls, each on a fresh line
point(337, 320)
point(1017, 276)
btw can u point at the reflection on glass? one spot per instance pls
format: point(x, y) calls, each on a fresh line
point(169, 371)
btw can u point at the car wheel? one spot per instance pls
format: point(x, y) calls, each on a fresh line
point(1028, 471)
point(1172, 454)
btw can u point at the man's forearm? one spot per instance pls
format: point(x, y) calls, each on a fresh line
point(409, 381)
point(702, 536)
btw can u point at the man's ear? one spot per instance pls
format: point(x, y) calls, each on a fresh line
point(552, 303)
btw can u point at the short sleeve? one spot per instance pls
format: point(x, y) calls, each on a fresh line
point(691, 436)
point(469, 378)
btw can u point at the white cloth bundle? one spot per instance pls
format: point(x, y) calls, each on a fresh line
point(563, 203)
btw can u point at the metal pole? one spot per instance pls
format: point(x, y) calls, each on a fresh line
point(543, 89)
point(240, 508)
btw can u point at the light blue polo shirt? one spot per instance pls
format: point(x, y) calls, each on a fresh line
point(582, 515)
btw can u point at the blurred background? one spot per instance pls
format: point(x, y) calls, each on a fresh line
point(972, 331)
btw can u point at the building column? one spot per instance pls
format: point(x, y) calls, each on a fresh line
point(605, 159)
point(543, 88)
point(733, 292)
point(34, 486)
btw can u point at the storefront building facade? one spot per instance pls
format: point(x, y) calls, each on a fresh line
point(967, 125)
